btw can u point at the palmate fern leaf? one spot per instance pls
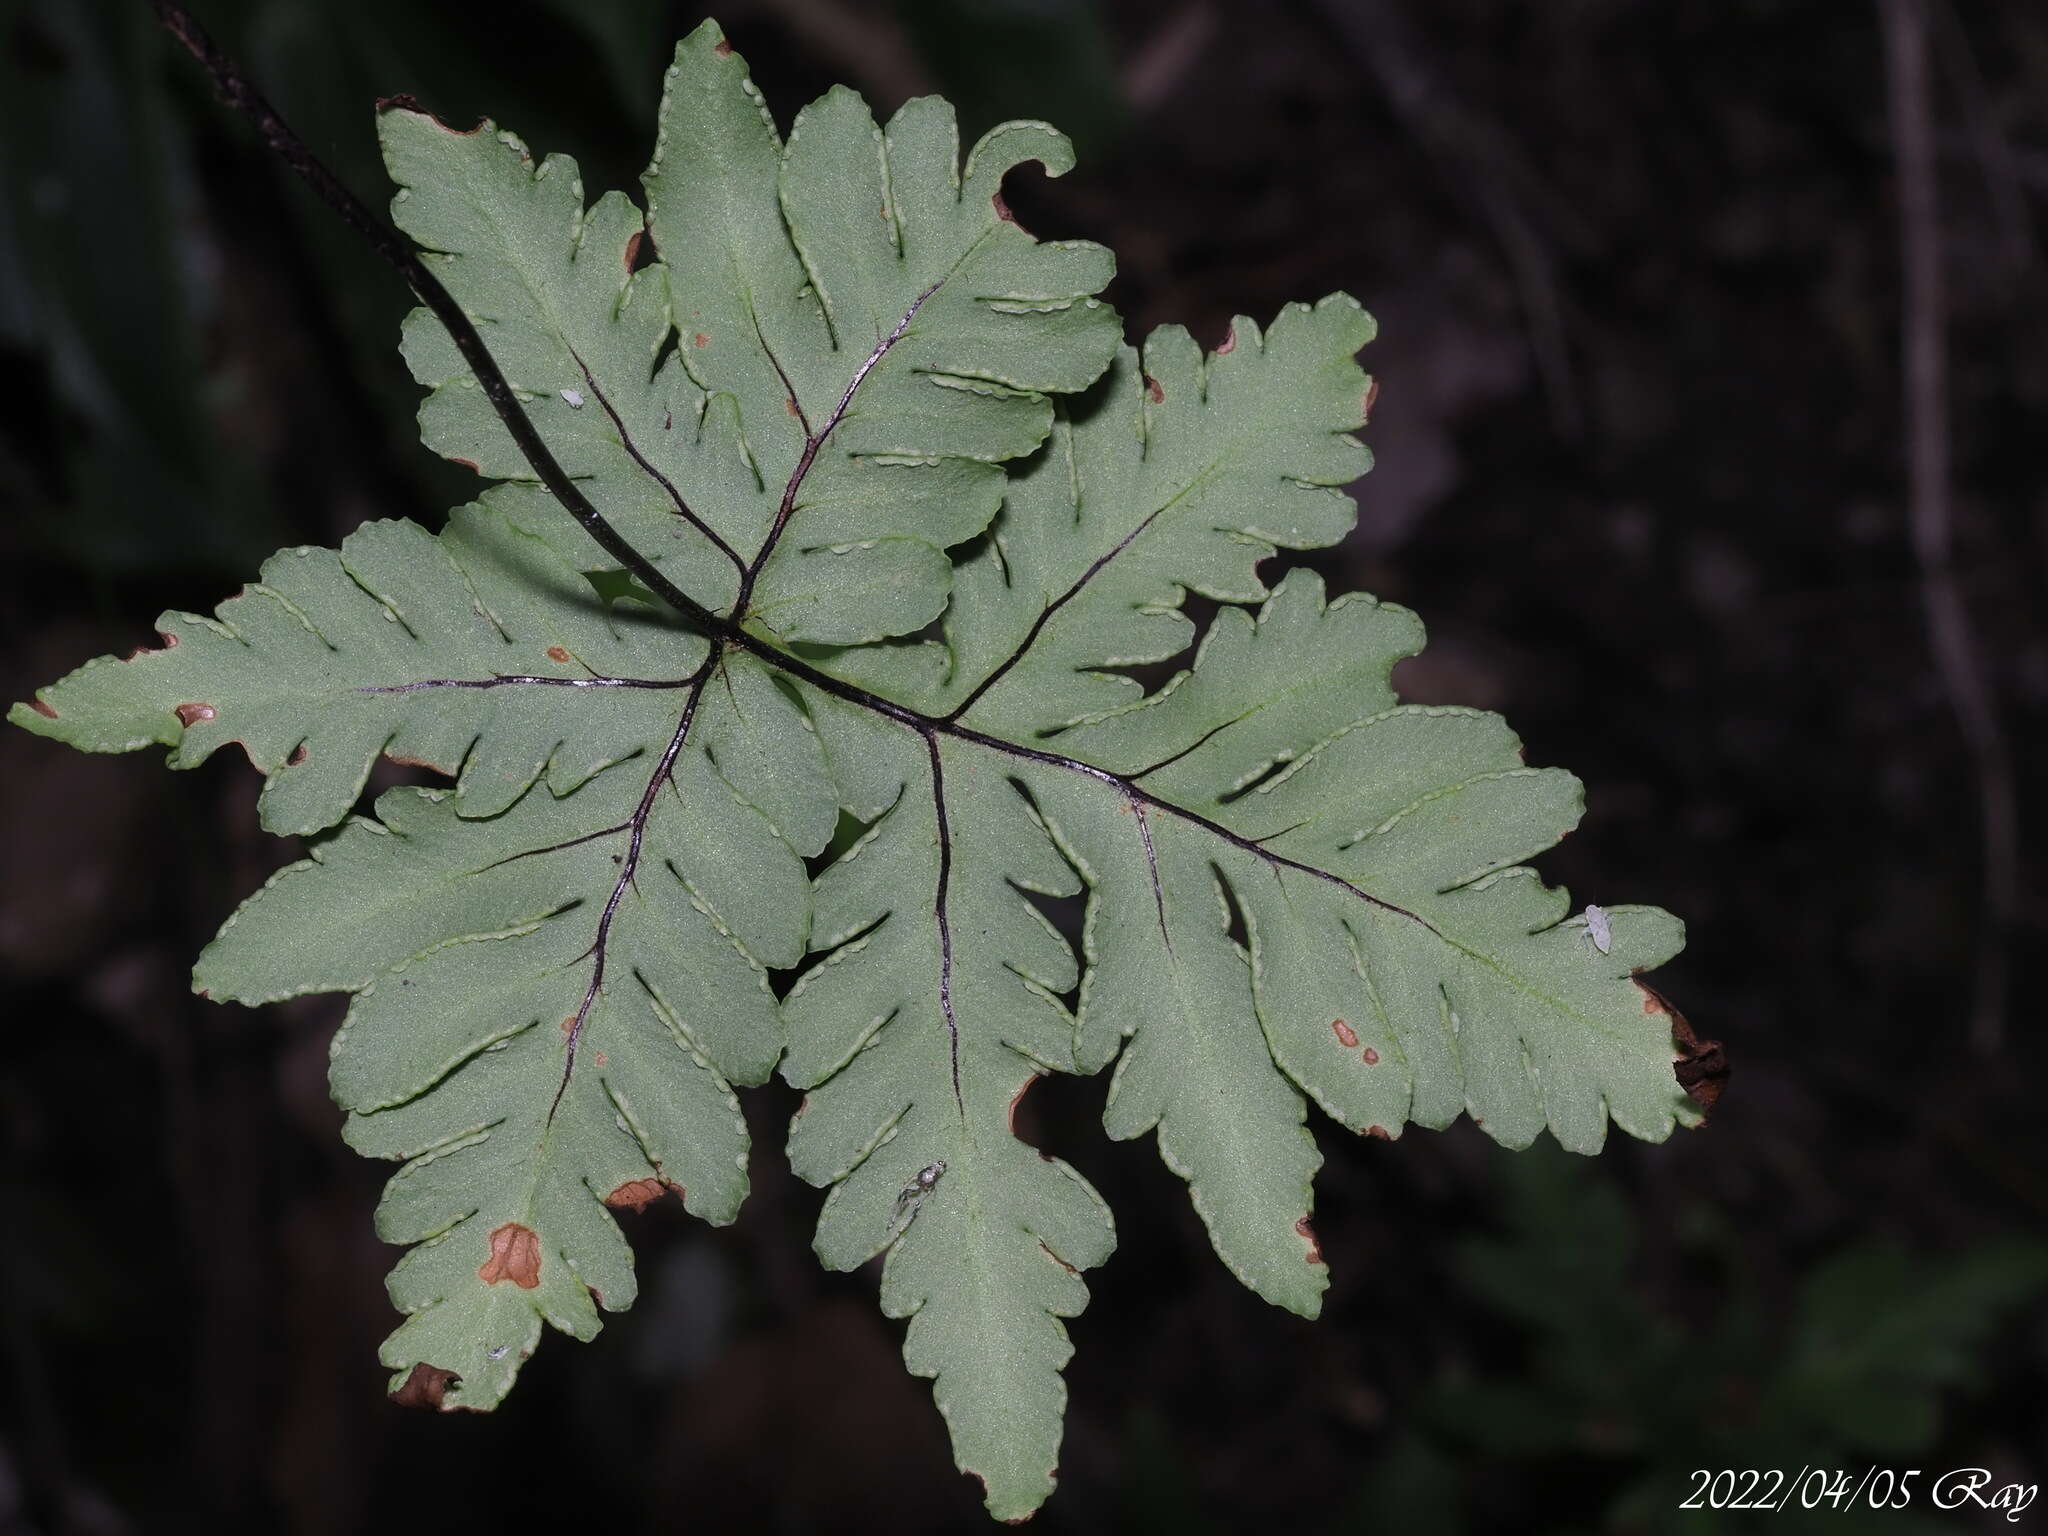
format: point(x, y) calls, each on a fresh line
point(830, 391)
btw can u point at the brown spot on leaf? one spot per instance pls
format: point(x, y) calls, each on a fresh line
point(42, 709)
point(700, 340)
point(1002, 209)
point(556, 653)
point(1372, 393)
point(298, 756)
point(1228, 344)
point(412, 762)
point(1346, 1035)
point(722, 48)
point(1308, 1235)
point(1063, 1264)
point(192, 714)
point(424, 1387)
point(789, 404)
point(569, 1025)
point(170, 643)
point(602, 1060)
point(1152, 389)
point(1018, 1098)
point(638, 1194)
point(1371, 1057)
point(639, 251)
point(468, 464)
point(515, 1256)
point(1378, 1133)
point(404, 101)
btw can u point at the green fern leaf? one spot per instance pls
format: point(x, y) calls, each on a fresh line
point(845, 255)
point(831, 392)
point(454, 653)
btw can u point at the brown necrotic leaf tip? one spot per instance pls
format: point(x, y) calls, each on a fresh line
point(1701, 1066)
point(425, 1387)
point(1308, 1235)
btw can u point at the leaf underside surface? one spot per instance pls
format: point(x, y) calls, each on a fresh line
point(830, 389)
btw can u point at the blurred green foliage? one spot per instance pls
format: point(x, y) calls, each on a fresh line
point(135, 212)
point(109, 290)
point(1589, 1406)
point(1002, 59)
point(1854, 1367)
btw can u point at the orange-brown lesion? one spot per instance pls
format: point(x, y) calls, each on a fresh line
point(515, 1256)
point(638, 1194)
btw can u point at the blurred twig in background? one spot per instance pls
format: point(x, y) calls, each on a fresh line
point(872, 51)
point(1478, 163)
point(1165, 58)
point(1924, 324)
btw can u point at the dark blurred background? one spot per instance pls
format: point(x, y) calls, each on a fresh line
point(1643, 467)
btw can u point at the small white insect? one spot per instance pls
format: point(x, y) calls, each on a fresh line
point(924, 1183)
point(1598, 930)
point(574, 397)
point(499, 1353)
